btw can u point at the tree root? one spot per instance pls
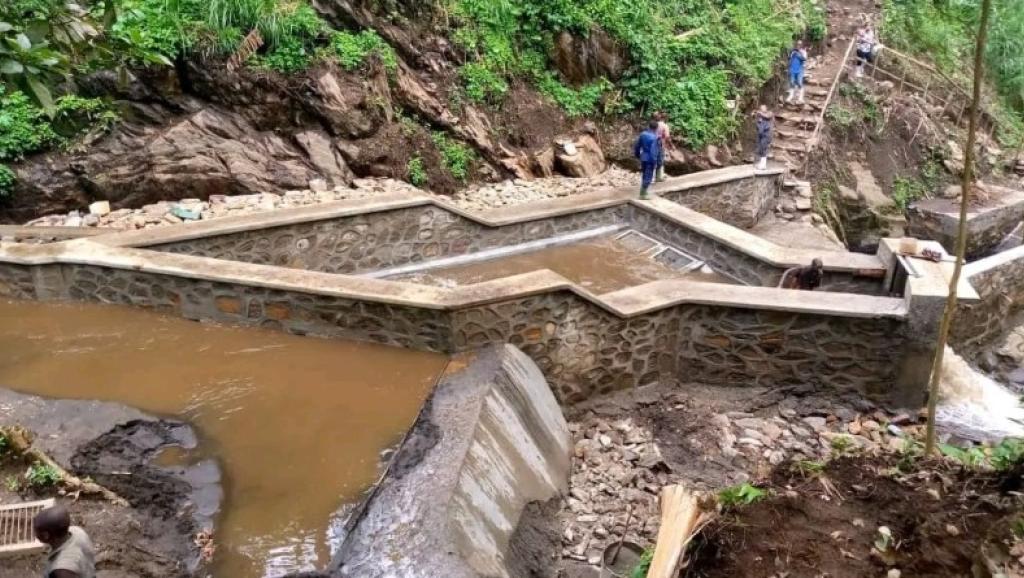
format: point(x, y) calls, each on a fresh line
point(20, 440)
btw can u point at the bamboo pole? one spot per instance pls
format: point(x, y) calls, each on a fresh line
point(961, 239)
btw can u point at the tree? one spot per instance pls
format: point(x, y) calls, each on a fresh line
point(961, 240)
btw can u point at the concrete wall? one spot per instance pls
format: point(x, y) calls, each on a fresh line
point(741, 204)
point(987, 226)
point(999, 281)
point(490, 440)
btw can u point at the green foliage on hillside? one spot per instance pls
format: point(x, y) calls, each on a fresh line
point(944, 31)
point(688, 57)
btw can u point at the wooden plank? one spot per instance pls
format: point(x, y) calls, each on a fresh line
point(680, 515)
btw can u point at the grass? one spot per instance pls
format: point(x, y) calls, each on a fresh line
point(644, 565)
point(457, 158)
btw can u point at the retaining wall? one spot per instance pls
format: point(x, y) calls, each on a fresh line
point(585, 344)
point(741, 204)
point(999, 281)
point(490, 440)
point(987, 226)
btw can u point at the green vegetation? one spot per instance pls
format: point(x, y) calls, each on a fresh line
point(943, 30)
point(644, 565)
point(415, 172)
point(41, 476)
point(4, 443)
point(1000, 457)
point(743, 494)
point(688, 57)
point(809, 468)
point(12, 483)
point(457, 157)
point(354, 49)
point(906, 190)
point(841, 444)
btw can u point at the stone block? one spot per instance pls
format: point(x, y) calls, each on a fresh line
point(100, 208)
point(229, 305)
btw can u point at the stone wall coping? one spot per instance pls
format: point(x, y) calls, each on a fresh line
point(262, 220)
point(757, 247)
point(993, 262)
point(625, 303)
point(949, 209)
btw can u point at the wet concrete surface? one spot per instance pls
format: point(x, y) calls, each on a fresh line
point(600, 265)
point(297, 424)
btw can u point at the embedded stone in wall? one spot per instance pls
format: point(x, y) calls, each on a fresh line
point(740, 203)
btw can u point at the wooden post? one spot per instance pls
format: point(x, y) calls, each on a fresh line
point(680, 514)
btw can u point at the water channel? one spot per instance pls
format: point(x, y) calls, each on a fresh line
point(600, 265)
point(297, 423)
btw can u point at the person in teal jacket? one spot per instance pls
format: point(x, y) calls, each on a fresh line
point(648, 150)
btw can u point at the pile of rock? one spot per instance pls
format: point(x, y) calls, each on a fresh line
point(477, 197)
point(617, 474)
point(513, 192)
point(174, 212)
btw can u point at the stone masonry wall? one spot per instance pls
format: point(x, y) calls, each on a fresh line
point(736, 263)
point(740, 203)
point(582, 349)
point(978, 325)
point(381, 240)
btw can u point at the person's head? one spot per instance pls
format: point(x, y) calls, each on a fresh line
point(51, 525)
point(653, 125)
point(763, 109)
point(799, 44)
point(660, 116)
point(817, 264)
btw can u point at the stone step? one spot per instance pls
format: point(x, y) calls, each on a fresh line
point(803, 120)
point(794, 147)
point(794, 134)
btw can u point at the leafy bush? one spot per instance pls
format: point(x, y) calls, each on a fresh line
point(575, 102)
point(352, 49)
point(458, 158)
point(4, 442)
point(416, 172)
point(41, 476)
point(24, 127)
point(7, 180)
point(481, 83)
point(743, 494)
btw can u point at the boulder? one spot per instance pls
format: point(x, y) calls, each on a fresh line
point(325, 157)
point(581, 157)
point(585, 59)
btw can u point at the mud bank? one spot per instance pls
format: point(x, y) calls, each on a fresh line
point(117, 446)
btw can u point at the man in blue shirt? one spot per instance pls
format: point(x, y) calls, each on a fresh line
point(648, 150)
point(797, 58)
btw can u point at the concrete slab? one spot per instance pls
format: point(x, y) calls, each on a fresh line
point(490, 440)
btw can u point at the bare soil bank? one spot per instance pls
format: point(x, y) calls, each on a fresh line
point(944, 522)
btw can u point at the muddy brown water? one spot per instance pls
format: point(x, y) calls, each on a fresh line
point(600, 265)
point(297, 423)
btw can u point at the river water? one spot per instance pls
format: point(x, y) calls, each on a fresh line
point(600, 265)
point(297, 423)
point(974, 407)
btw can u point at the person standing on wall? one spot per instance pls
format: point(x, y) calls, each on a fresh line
point(865, 47)
point(665, 141)
point(797, 60)
point(648, 150)
point(765, 121)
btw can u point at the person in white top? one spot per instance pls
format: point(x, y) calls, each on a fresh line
point(865, 47)
point(71, 552)
point(665, 139)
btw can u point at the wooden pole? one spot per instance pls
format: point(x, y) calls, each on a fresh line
point(680, 514)
point(961, 240)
